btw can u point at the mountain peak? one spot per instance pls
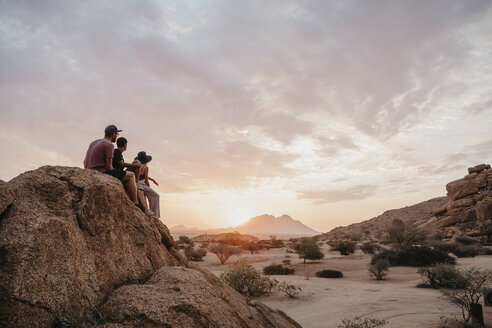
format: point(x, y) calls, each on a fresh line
point(269, 224)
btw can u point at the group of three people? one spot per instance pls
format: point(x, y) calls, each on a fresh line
point(102, 156)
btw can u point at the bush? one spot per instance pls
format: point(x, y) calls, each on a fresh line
point(247, 281)
point(289, 290)
point(469, 295)
point(414, 256)
point(379, 269)
point(345, 247)
point(329, 274)
point(185, 240)
point(361, 322)
point(193, 254)
point(277, 269)
point(369, 247)
point(286, 262)
point(456, 323)
point(441, 276)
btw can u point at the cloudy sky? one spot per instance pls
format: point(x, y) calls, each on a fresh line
point(329, 111)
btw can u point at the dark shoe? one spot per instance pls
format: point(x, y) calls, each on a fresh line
point(140, 207)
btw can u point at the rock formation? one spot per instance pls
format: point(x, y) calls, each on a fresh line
point(74, 248)
point(469, 209)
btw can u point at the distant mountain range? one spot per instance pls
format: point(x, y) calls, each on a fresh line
point(261, 226)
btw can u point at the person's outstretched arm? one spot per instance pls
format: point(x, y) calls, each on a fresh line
point(153, 181)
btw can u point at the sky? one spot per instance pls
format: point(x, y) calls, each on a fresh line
point(329, 111)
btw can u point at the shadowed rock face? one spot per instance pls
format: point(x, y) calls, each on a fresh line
point(70, 237)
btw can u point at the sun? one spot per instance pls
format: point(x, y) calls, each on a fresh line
point(239, 214)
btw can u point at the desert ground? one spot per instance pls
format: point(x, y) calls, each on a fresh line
point(324, 302)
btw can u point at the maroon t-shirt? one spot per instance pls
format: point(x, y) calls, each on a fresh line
point(97, 153)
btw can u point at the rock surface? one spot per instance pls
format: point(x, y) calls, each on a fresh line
point(469, 210)
point(70, 237)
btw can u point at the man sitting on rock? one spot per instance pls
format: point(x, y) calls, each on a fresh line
point(99, 157)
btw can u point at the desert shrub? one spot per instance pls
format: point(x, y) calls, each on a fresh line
point(63, 322)
point(414, 256)
point(369, 247)
point(362, 322)
point(289, 290)
point(447, 322)
point(308, 249)
point(286, 262)
point(193, 254)
point(247, 281)
point(465, 298)
point(356, 236)
point(329, 274)
point(276, 243)
point(345, 247)
point(379, 269)
point(470, 250)
point(388, 254)
point(223, 252)
point(441, 276)
point(484, 251)
point(277, 269)
point(185, 240)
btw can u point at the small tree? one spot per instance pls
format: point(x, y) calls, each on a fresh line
point(223, 252)
point(468, 296)
point(369, 247)
point(402, 236)
point(379, 269)
point(308, 249)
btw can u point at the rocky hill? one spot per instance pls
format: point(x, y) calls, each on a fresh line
point(466, 210)
point(373, 228)
point(282, 225)
point(75, 252)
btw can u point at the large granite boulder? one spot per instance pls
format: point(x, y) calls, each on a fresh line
point(214, 306)
point(68, 238)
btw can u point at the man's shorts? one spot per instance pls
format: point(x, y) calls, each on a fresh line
point(118, 174)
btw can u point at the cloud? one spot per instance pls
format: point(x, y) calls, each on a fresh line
point(331, 196)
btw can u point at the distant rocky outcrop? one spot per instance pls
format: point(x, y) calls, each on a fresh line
point(469, 208)
point(73, 247)
point(374, 228)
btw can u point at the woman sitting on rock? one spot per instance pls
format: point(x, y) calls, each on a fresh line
point(143, 183)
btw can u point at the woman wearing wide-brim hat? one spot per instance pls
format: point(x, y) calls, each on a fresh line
point(143, 183)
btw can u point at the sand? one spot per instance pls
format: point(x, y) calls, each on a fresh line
point(324, 302)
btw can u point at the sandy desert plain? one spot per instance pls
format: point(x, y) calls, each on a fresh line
point(323, 302)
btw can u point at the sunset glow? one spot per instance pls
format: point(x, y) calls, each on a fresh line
point(331, 112)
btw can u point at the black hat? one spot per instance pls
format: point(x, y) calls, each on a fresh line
point(143, 157)
point(110, 129)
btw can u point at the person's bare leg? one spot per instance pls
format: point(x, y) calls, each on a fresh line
point(129, 180)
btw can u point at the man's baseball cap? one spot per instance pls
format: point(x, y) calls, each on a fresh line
point(111, 129)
